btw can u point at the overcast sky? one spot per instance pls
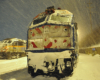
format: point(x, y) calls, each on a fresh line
point(15, 15)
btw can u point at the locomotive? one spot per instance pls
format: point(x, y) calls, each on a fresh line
point(12, 48)
point(52, 42)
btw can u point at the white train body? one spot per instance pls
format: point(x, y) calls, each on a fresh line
point(52, 42)
point(12, 47)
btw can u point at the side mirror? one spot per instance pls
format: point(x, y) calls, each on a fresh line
point(75, 24)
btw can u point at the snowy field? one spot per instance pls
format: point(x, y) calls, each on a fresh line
point(12, 65)
point(88, 68)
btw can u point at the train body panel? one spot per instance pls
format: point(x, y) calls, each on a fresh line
point(52, 43)
point(49, 36)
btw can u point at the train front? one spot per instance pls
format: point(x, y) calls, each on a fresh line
point(51, 41)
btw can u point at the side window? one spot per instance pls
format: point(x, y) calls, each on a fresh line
point(5, 41)
point(14, 43)
point(20, 43)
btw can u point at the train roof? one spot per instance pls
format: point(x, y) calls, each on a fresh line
point(46, 17)
point(61, 12)
point(66, 12)
point(14, 39)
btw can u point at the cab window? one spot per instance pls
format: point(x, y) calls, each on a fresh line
point(39, 20)
point(18, 43)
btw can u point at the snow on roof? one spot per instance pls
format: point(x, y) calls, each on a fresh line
point(14, 39)
point(64, 12)
point(56, 12)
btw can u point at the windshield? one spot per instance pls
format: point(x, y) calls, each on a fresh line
point(61, 18)
point(39, 20)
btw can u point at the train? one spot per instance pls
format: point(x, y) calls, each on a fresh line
point(12, 48)
point(52, 42)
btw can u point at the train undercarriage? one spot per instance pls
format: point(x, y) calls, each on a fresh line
point(52, 64)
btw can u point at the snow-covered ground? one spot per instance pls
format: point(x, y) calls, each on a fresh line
point(12, 65)
point(88, 68)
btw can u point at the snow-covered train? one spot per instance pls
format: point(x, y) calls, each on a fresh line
point(12, 48)
point(52, 42)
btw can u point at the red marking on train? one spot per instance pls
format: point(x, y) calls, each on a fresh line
point(57, 27)
point(45, 39)
point(49, 45)
point(38, 30)
point(46, 12)
point(6, 50)
point(66, 27)
point(56, 47)
point(30, 30)
point(68, 34)
point(46, 25)
point(33, 34)
point(36, 16)
point(55, 41)
point(69, 45)
point(28, 37)
point(64, 41)
point(43, 26)
point(33, 44)
point(49, 25)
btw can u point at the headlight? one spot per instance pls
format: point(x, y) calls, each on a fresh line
point(68, 63)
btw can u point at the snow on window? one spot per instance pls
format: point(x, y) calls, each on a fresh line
point(61, 18)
